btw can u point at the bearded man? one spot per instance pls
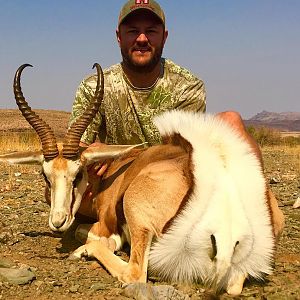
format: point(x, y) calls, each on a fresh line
point(143, 85)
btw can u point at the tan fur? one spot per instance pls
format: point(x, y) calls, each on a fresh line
point(126, 175)
point(138, 196)
point(277, 216)
point(60, 163)
point(144, 190)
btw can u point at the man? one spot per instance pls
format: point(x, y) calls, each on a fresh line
point(144, 84)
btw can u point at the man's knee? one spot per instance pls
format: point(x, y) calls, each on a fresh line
point(233, 118)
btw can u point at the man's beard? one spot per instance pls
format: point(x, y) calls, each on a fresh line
point(142, 68)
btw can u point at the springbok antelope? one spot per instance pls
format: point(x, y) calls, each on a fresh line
point(195, 208)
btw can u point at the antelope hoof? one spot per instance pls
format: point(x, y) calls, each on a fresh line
point(82, 233)
point(234, 290)
point(87, 250)
point(235, 285)
point(132, 274)
point(79, 253)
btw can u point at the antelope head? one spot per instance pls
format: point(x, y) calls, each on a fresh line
point(63, 165)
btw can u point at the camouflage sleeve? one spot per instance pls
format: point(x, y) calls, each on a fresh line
point(193, 97)
point(84, 94)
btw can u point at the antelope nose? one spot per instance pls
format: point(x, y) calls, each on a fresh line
point(58, 219)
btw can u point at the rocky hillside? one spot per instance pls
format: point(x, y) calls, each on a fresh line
point(12, 120)
point(285, 121)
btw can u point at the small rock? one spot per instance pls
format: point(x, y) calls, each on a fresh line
point(144, 291)
point(18, 174)
point(23, 266)
point(17, 276)
point(272, 289)
point(274, 180)
point(38, 283)
point(99, 286)
point(288, 203)
point(5, 237)
point(74, 288)
point(49, 289)
point(33, 269)
point(6, 263)
point(289, 177)
point(56, 283)
point(297, 203)
point(138, 291)
point(168, 292)
point(94, 265)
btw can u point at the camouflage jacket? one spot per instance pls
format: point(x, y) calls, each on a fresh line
point(126, 113)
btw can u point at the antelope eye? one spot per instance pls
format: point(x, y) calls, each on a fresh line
point(78, 178)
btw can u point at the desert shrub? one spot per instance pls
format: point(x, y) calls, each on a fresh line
point(291, 141)
point(19, 141)
point(265, 136)
point(10, 141)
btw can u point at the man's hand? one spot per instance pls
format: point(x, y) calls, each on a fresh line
point(96, 169)
point(95, 172)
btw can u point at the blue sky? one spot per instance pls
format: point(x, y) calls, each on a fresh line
point(246, 51)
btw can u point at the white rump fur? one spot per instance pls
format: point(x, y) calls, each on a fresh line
point(228, 202)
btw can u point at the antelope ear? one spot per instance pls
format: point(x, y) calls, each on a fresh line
point(28, 157)
point(102, 152)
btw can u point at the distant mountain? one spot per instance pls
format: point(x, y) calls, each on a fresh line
point(285, 121)
point(12, 120)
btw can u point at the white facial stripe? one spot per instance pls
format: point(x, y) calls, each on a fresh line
point(61, 192)
point(78, 193)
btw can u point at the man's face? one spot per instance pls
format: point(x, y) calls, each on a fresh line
point(141, 38)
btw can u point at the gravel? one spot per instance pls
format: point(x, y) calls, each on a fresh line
point(26, 243)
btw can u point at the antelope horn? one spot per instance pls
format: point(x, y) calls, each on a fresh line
point(45, 133)
point(76, 130)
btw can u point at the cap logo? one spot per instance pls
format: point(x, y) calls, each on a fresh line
point(141, 1)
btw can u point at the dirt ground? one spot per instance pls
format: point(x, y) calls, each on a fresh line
point(27, 242)
point(58, 120)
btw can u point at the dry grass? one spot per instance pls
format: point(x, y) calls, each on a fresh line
point(266, 136)
point(26, 140)
point(290, 133)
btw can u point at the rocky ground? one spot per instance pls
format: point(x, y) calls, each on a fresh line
point(27, 246)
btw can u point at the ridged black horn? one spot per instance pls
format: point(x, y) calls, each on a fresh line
point(72, 139)
point(45, 133)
